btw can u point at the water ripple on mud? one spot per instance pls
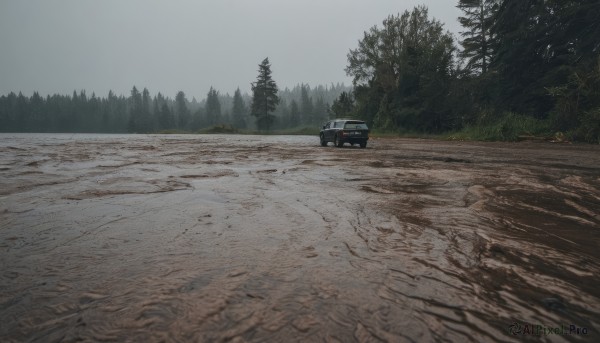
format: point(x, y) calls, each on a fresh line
point(249, 238)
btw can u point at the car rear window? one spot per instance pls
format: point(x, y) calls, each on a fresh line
point(356, 126)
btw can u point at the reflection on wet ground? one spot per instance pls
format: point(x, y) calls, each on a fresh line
point(249, 238)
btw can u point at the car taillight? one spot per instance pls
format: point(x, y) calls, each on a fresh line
point(341, 133)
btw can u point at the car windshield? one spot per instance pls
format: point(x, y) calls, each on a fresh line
point(356, 126)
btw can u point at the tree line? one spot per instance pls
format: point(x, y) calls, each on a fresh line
point(140, 112)
point(526, 66)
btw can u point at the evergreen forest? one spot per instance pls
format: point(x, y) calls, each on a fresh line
point(141, 112)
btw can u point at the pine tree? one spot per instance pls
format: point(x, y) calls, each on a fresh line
point(155, 114)
point(294, 114)
point(477, 42)
point(238, 110)
point(264, 96)
point(181, 111)
point(342, 106)
point(165, 118)
point(306, 106)
point(135, 110)
point(213, 107)
point(146, 117)
point(320, 110)
point(542, 48)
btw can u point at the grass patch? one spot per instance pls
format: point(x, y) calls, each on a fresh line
point(509, 127)
point(374, 133)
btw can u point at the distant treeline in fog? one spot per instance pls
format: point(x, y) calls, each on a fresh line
point(141, 112)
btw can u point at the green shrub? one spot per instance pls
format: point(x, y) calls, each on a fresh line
point(589, 129)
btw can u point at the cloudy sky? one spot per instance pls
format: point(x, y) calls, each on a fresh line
point(57, 46)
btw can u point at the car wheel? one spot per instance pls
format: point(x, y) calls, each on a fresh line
point(323, 141)
point(363, 145)
point(337, 142)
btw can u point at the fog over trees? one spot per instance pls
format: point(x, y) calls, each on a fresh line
point(141, 112)
point(518, 67)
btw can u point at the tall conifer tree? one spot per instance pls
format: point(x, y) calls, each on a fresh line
point(264, 96)
point(477, 39)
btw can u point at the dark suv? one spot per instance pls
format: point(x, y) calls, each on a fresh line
point(340, 131)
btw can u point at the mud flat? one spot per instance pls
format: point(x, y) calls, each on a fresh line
point(249, 238)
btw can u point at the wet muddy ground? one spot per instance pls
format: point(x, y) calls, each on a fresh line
point(249, 238)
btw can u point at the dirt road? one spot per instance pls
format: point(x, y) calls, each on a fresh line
point(250, 238)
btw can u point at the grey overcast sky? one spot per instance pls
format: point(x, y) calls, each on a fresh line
point(57, 46)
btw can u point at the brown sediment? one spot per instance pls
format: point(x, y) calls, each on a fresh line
point(149, 238)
